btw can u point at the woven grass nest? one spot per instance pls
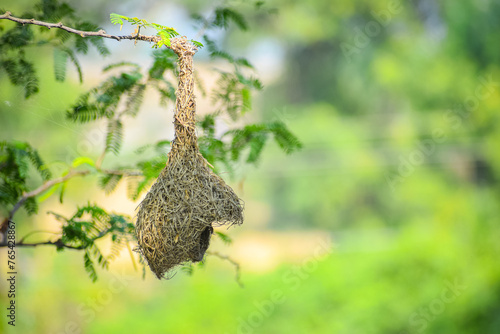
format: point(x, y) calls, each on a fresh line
point(176, 218)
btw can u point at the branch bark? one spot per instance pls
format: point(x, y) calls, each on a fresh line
point(62, 179)
point(122, 172)
point(101, 33)
point(45, 187)
point(33, 193)
point(58, 243)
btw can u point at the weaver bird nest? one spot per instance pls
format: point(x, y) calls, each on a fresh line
point(176, 218)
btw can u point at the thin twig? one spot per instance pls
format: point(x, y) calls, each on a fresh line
point(33, 193)
point(45, 187)
point(82, 33)
point(122, 172)
point(58, 243)
point(61, 179)
point(48, 184)
point(234, 263)
point(100, 159)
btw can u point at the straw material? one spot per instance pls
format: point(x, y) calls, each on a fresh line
point(176, 218)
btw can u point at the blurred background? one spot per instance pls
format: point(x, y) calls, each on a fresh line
point(387, 221)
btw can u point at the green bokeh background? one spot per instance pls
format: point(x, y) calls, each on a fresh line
point(400, 167)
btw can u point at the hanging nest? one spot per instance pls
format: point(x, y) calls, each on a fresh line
point(176, 218)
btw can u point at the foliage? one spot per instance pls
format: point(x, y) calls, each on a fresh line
point(163, 32)
point(251, 138)
point(15, 161)
point(121, 96)
point(86, 226)
point(15, 41)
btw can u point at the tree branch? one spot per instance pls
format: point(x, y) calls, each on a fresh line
point(123, 172)
point(62, 179)
point(101, 33)
point(33, 193)
point(58, 243)
point(45, 187)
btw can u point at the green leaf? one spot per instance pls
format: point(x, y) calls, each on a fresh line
point(285, 139)
point(82, 160)
point(167, 33)
point(85, 112)
point(221, 54)
point(224, 237)
point(54, 11)
point(60, 59)
point(98, 42)
point(21, 73)
point(255, 137)
point(188, 269)
point(162, 146)
point(256, 146)
point(259, 4)
point(90, 223)
point(164, 59)
point(63, 35)
point(114, 136)
point(164, 31)
point(89, 266)
point(31, 206)
point(117, 19)
point(15, 160)
point(49, 192)
point(38, 163)
point(61, 194)
point(134, 101)
point(198, 44)
point(109, 182)
point(22, 164)
point(167, 94)
point(81, 45)
point(121, 64)
point(133, 186)
point(152, 168)
point(243, 62)
point(87, 108)
point(223, 15)
point(18, 37)
point(232, 94)
point(75, 62)
point(246, 99)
